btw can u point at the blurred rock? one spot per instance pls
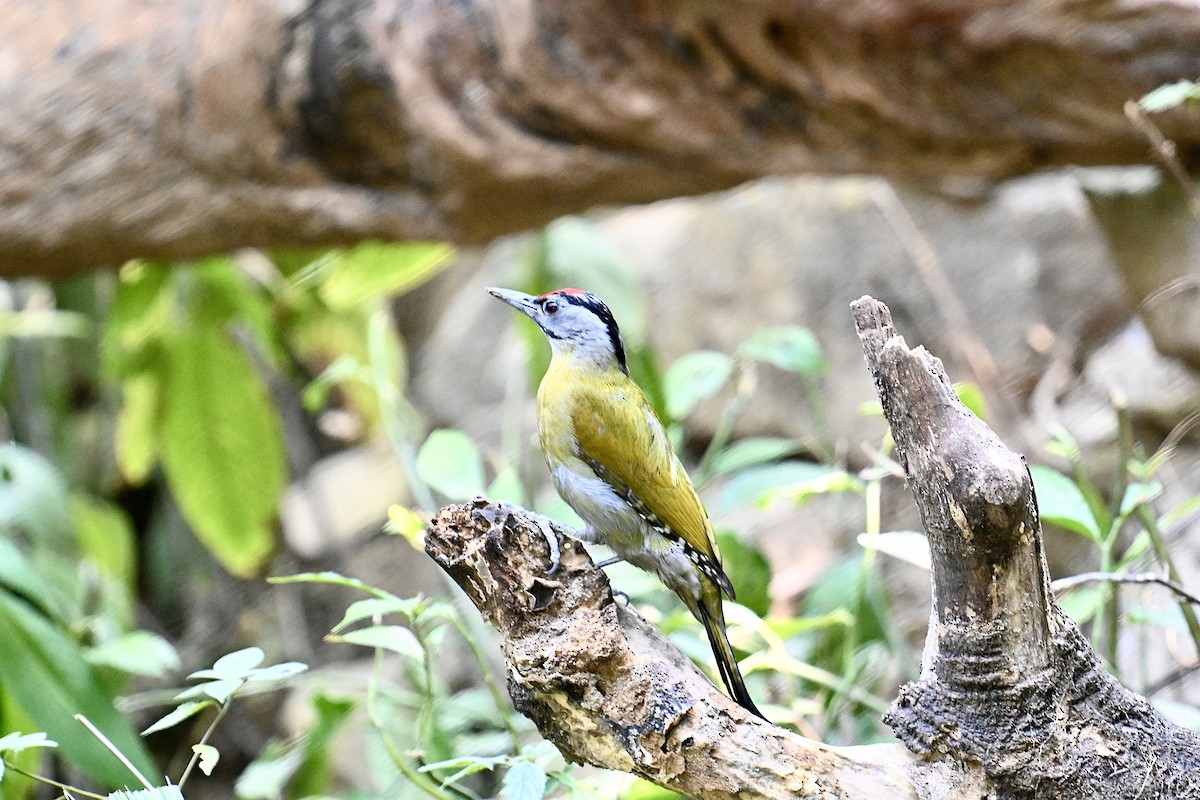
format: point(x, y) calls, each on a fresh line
point(342, 496)
point(1151, 225)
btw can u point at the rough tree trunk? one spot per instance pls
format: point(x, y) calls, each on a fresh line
point(1011, 703)
point(138, 128)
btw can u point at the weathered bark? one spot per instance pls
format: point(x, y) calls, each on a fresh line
point(610, 690)
point(1011, 703)
point(133, 128)
point(1010, 690)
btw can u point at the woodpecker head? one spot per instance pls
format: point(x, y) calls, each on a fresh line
point(578, 323)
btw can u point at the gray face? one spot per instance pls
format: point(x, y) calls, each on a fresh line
point(577, 323)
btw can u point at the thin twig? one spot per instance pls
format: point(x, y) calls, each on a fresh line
point(1062, 584)
point(195, 759)
point(1166, 150)
point(112, 748)
point(50, 781)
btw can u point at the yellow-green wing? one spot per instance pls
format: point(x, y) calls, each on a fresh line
point(617, 429)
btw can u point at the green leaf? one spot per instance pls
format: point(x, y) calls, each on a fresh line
point(139, 422)
point(106, 538)
point(183, 711)
point(331, 578)
point(752, 452)
point(316, 770)
point(971, 396)
point(269, 774)
point(19, 577)
point(1081, 604)
point(48, 676)
point(364, 609)
point(373, 270)
point(450, 463)
point(1169, 96)
point(237, 664)
point(139, 314)
point(790, 347)
point(33, 500)
point(16, 742)
point(387, 637)
point(223, 448)
point(137, 653)
point(748, 570)
point(44, 323)
point(524, 781)
point(694, 377)
point(1139, 494)
point(645, 790)
point(408, 523)
point(1060, 502)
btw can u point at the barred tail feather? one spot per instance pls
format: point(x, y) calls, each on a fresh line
point(712, 617)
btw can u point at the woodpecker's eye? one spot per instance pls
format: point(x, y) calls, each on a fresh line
point(549, 306)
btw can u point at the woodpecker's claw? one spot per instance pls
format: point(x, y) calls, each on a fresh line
point(546, 526)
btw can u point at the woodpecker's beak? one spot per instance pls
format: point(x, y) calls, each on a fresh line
point(518, 300)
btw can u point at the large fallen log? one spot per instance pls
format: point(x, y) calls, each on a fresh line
point(168, 130)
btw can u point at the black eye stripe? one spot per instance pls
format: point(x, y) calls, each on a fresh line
point(596, 306)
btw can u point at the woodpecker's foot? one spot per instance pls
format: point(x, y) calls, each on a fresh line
point(608, 562)
point(620, 596)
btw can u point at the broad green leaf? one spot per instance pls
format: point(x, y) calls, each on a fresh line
point(1169, 96)
point(183, 711)
point(971, 396)
point(748, 570)
point(223, 448)
point(364, 609)
point(910, 546)
point(752, 452)
point(137, 653)
point(450, 463)
point(524, 781)
point(209, 756)
point(139, 314)
point(1081, 604)
point(316, 772)
point(268, 775)
point(790, 347)
point(33, 499)
point(1139, 494)
point(409, 523)
point(373, 270)
point(1060, 502)
point(694, 377)
point(19, 577)
point(50, 679)
point(387, 637)
point(219, 293)
point(106, 538)
point(139, 422)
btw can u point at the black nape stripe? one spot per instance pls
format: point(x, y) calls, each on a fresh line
point(594, 304)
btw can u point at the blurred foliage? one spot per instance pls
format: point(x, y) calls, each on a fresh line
point(193, 364)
